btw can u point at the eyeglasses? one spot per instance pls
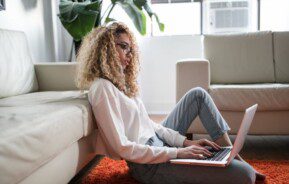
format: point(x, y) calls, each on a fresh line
point(125, 47)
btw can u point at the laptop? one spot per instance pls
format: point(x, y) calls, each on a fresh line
point(224, 156)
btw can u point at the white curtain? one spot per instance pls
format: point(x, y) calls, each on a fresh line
point(62, 41)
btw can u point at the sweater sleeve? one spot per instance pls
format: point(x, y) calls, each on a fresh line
point(107, 113)
point(170, 136)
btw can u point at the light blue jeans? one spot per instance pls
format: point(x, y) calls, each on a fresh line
point(195, 102)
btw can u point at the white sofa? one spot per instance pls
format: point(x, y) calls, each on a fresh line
point(239, 70)
point(47, 131)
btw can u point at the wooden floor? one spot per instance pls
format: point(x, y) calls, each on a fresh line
point(255, 147)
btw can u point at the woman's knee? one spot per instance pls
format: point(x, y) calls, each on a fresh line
point(197, 92)
point(242, 172)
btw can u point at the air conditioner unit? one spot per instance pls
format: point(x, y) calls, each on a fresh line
point(226, 15)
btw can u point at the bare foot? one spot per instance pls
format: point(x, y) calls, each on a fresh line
point(260, 176)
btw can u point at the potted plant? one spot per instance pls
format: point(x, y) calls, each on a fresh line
point(79, 17)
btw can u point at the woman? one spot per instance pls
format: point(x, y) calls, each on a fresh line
point(108, 66)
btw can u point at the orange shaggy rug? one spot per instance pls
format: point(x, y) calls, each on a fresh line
point(111, 171)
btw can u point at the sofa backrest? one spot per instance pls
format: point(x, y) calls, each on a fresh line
point(281, 56)
point(240, 58)
point(17, 74)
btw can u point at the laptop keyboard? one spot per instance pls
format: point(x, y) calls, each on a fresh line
point(218, 155)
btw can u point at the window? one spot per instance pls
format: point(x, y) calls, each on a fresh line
point(181, 17)
point(274, 15)
point(187, 17)
point(205, 16)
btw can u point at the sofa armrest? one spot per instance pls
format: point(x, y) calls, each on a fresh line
point(191, 73)
point(56, 76)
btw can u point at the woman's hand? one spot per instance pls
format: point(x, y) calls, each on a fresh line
point(193, 151)
point(201, 143)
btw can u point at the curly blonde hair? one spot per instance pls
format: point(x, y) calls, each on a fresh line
point(98, 58)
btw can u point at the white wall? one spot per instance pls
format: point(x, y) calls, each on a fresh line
point(28, 16)
point(159, 56)
point(38, 19)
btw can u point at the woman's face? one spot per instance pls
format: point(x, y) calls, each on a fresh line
point(123, 47)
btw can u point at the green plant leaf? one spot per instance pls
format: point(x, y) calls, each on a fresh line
point(140, 3)
point(144, 4)
point(109, 20)
point(151, 13)
point(136, 15)
point(79, 18)
point(161, 25)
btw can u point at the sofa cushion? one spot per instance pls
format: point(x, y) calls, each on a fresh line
point(239, 97)
point(281, 56)
point(33, 133)
point(240, 58)
point(17, 74)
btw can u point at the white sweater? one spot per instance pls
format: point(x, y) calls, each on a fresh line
point(124, 127)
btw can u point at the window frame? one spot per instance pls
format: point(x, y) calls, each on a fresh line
point(202, 18)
